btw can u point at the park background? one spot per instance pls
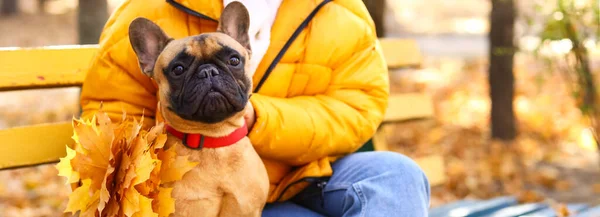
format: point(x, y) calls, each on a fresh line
point(546, 151)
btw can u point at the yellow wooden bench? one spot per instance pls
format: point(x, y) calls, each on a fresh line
point(61, 66)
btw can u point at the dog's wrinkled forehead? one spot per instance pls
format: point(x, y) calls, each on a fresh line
point(203, 46)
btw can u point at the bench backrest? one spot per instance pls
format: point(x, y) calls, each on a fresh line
point(61, 66)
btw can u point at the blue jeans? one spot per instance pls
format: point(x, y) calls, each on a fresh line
point(368, 184)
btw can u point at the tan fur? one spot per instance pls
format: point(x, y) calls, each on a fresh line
point(228, 182)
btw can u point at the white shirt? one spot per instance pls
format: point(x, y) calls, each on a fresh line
point(262, 15)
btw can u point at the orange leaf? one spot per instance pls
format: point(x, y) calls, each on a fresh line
point(596, 188)
point(92, 161)
point(563, 185)
point(562, 210)
point(529, 197)
point(165, 205)
point(174, 167)
point(104, 192)
point(145, 208)
point(151, 185)
point(131, 203)
point(80, 197)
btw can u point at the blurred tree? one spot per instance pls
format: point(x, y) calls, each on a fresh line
point(9, 7)
point(501, 77)
point(568, 27)
point(92, 16)
point(42, 6)
point(376, 10)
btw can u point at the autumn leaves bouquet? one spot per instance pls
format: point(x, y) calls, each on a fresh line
point(120, 169)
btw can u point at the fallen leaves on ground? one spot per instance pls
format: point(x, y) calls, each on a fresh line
point(562, 210)
point(551, 157)
point(596, 188)
point(120, 169)
point(529, 196)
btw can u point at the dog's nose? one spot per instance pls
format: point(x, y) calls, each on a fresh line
point(208, 71)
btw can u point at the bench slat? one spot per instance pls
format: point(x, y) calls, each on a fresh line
point(34, 145)
point(401, 53)
point(62, 66)
point(44, 67)
point(433, 167)
point(408, 106)
point(550, 212)
point(592, 212)
point(518, 210)
point(483, 208)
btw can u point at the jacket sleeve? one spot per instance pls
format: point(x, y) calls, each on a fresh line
point(302, 129)
point(114, 79)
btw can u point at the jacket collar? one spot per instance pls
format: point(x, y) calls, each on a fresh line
point(210, 10)
point(199, 141)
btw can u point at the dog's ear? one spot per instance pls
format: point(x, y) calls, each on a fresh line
point(235, 22)
point(148, 40)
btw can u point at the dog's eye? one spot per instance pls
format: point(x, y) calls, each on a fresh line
point(178, 70)
point(234, 61)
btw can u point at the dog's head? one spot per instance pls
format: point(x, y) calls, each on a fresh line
point(201, 78)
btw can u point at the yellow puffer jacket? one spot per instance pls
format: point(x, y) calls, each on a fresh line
point(324, 99)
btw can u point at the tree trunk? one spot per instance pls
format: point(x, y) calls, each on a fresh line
point(501, 78)
point(92, 17)
point(42, 6)
point(376, 9)
point(9, 7)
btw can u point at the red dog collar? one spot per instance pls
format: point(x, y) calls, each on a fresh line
point(199, 141)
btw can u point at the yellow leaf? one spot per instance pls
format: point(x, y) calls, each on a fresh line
point(144, 167)
point(150, 186)
point(126, 174)
point(64, 167)
point(174, 167)
point(93, 162)
point(165, 204)
point(145, 208)
point(104, 129)
point(144, 164)
point(155, 132)
point(104, 191)
point(83, 200)
point(128, 131)
point(160, 141)
point(80, 197)
point(91, 209)
point(131, 203)
point(112, 209)
point(91, 140)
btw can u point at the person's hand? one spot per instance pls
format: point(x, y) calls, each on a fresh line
point(250, 116)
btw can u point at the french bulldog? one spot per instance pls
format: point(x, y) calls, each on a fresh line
point(204, 87)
